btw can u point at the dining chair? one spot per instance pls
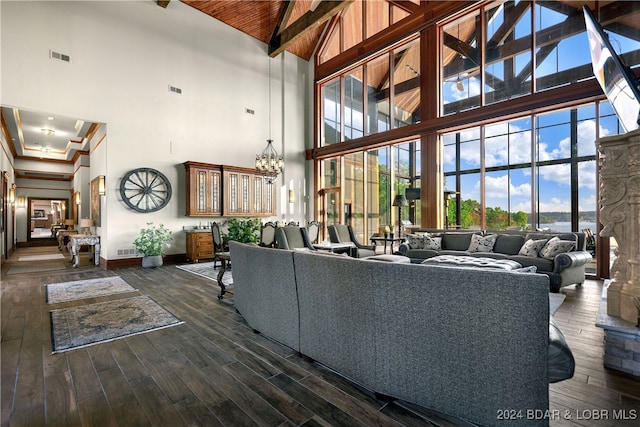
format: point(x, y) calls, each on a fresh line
point(268, 234)
point(218, 244)
point(340, 233)
point(313, 230)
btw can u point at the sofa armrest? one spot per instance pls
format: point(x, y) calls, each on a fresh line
point(403, 248)
point(571, 259)
point(561, 361)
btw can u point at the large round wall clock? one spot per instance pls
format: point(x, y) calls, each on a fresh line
point(145, 190)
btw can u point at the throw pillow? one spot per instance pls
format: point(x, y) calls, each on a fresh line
point(415, 241)
point(532, 247)
point(482, 243)
point(556, 246)
point(434, 243)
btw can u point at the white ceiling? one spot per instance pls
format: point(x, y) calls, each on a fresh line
point(49, 139)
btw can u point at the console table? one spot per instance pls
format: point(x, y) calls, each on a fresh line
point(61, 234)
point(77, 240)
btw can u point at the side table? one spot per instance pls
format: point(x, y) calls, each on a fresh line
point(77, 240)
point(392, 240)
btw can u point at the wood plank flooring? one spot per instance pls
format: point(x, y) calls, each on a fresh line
point(214, 371)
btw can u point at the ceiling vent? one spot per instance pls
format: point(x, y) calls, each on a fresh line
point(59, 56)
point(175, 89)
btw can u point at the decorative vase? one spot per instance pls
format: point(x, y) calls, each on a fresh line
point(152, 261)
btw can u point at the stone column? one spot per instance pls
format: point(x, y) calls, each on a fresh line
point(620, 216)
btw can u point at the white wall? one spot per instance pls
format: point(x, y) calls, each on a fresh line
point(124, 56)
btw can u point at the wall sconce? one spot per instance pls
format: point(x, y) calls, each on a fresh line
point(102, 189)
point(77, 197)
point(292, 196)
point(21, 202)
point(12, 194)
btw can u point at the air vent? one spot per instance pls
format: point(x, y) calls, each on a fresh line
point(175, 89)
point(249, 111)
point(59, 56)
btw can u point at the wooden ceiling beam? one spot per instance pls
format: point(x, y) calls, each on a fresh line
point(285, 14)
point(307, 22)
point(407, 5)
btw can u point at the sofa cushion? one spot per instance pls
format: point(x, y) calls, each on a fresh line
point(508, 244)
point(415, 241)
point(556, 246)
point(542, 264)
point(456, 241)
point(531, 247)
point(482, 243)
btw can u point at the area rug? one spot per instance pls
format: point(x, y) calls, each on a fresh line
point(76, 327)
point(91, 288)
point(205, 269)
point(38, 268)
point(40, 257)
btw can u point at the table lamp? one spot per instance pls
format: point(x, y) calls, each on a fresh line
point(400, 201)
point(86, 224)
point(68, 224)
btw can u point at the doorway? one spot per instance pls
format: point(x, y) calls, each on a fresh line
point(44, 217)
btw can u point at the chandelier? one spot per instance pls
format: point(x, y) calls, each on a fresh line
point(269, 164)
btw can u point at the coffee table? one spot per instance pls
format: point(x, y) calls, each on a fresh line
point(337, 247)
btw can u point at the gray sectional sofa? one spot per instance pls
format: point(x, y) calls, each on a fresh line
point(463, 342)
point(563, 269)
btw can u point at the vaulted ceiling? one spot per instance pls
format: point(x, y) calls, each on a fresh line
point(294, 26)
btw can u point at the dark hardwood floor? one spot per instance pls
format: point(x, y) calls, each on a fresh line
point(214, 370)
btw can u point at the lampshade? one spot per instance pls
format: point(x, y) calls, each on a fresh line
point(85, 222)
point(21, 202)
point(69, 222)
point(400, 200)
point(77, 195)
point(12, 194)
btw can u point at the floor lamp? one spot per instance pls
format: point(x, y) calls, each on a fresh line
point(400, 201)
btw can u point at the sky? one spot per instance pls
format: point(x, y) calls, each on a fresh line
point(510, 143)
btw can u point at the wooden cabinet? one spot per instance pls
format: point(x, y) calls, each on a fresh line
point(199, 245)
point(221, 190)
point(204, 189)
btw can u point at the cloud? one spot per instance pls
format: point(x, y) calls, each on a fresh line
point(555, 205)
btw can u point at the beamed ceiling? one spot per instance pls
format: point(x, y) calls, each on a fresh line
point(294, 26)
point(298, 27)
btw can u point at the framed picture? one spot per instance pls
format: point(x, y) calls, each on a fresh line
point(95, 201)
point(38, 213)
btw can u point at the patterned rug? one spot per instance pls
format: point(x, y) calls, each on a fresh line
point(91, 288)
point(205, 269)
point(77, 327)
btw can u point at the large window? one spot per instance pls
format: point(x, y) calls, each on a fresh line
point(510, 155)
point(495, 175)
point(391, 96)
point(523, 43)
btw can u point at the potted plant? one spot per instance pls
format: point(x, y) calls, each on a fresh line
point(151, 244)
point(244, 230)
